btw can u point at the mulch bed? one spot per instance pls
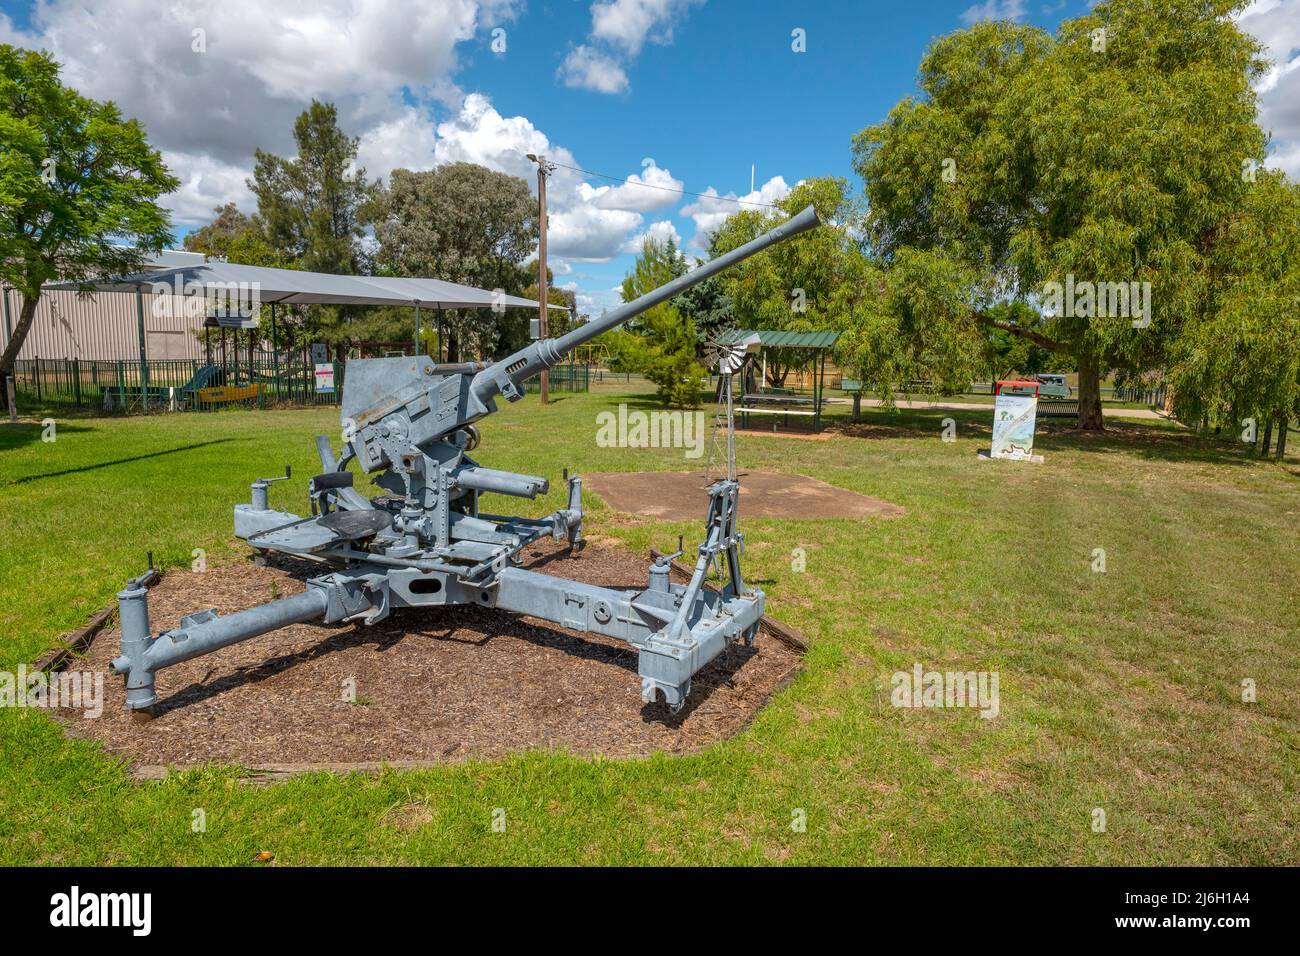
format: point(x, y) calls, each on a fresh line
point(679, 495)
point(432, 685)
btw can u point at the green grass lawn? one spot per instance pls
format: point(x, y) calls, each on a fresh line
point(1119, 690)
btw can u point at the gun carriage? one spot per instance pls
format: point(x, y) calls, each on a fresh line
point(425, 542)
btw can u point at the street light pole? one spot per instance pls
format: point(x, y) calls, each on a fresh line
point(544, 169)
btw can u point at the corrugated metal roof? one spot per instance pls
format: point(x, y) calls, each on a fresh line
point(780, 338)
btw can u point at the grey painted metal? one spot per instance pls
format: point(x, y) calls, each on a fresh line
point(506, 377)
point(425, 542)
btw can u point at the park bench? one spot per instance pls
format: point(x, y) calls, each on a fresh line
point(784, 403)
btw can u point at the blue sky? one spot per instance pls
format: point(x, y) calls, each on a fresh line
point(701, 88)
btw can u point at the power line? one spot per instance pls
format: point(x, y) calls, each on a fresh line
point(667, 189)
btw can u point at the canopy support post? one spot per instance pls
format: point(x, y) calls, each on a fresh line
point(275, 355)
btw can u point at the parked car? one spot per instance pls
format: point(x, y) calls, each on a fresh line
point(1053, 386)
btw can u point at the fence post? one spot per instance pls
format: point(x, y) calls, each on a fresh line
point(121, 386)
point(144, 358)
point(275, 356)
point(76, 380)
point(38, 379)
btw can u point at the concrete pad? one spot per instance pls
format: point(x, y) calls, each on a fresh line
point(679, 496)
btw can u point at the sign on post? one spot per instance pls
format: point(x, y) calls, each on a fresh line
point(324, 378)
point(1014, 410)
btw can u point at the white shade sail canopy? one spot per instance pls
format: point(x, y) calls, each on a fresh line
point(290, 286)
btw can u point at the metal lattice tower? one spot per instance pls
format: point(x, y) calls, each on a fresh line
point(728, 360)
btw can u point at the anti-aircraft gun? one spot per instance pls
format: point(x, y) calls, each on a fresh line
point(426, 543)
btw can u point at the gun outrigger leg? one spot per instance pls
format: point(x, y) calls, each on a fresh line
point(144, 654)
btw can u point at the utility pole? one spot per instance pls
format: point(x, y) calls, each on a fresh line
point(544, 169)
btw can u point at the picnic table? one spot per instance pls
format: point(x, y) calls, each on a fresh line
point(783, 403)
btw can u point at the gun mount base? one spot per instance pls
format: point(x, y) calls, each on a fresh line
point(676, 629)
point(425, 542)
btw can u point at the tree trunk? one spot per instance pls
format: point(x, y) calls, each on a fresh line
point(453, 348)
point(1283, 424)
point(1268, 439)
point(15, 344)
point(1090, 416)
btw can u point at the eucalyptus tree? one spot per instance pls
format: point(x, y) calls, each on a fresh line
point(463, 223)
point(1090, 174)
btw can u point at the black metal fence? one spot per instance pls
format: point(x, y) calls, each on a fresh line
point(570, 377)
point(257, 381)
point(175, 384)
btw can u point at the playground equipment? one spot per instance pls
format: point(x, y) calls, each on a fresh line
point(425, 543)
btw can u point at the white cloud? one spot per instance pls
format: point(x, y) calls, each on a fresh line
point(653, 188)
point(628, 23)
point(406, 141)
point(206, 184)
point(712, 209)
point(258, 65)
point(586, 234)
point(597, 301)
point(1276, 23)
point(659, 231)
point(578, 228)
point(619, 29)
point(588, 69)
point(1286, 157)
point(994, 10)
point(386, 64)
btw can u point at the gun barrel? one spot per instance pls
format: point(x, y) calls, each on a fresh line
point(506, 376)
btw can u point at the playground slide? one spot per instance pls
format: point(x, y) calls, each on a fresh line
point(201, 379)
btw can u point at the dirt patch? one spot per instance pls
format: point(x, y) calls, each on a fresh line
point(434, 684)
point(679, 496)
point(797, 435)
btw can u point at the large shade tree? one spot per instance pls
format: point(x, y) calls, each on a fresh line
point(1236, 364)
point(78, 187)
point(463, 223)
point(1116, 151)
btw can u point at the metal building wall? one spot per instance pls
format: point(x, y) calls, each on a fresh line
point(105, 326)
